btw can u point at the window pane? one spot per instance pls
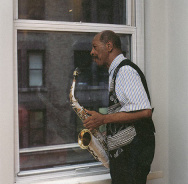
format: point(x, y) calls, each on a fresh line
point(35, 78)
point(95, 11)
point(45, 116)
point(35, 61)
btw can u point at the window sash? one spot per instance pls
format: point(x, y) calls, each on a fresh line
point(38, 25)
point(31, 25)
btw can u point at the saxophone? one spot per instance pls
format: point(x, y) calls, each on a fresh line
point(93, 140)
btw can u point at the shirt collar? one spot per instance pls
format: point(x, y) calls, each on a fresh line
point(116, 62)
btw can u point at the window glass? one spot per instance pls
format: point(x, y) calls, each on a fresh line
point(36, 128)
point(46, 119)
point(35, 78)
point(94, 11)
point(35, 59)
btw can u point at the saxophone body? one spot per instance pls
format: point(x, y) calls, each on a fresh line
point(93, 140)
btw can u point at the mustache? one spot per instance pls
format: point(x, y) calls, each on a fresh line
point(94, 57)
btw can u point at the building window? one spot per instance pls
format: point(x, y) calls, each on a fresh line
point(32, 129)
point(50, 45)
point(90, 74)
point(35, 69)
point(37, 128)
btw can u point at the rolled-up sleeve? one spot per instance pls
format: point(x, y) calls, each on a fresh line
point(130, 90)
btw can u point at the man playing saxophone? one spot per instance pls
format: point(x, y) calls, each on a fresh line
point(130, 129)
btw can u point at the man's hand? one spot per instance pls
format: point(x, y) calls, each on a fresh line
point(94, 121)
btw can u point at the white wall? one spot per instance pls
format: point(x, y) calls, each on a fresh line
point(166, 28)
point(157, 77)
point(178, 90)
point(6, 93)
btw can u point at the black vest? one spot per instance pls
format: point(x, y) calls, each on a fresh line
point(142, 126)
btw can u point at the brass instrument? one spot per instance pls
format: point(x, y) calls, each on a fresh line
point(93, 140)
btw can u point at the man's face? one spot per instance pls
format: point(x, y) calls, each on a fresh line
point(99, 51)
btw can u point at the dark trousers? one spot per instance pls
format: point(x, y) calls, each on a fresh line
point(133, 164)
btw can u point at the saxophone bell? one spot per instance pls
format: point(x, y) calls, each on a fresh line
point(84, 138)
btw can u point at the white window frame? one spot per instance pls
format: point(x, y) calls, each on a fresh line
point(136, 29)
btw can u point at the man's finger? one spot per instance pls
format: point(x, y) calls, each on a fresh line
point(88, 119)
point(89, 112)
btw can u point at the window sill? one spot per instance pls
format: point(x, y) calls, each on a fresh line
point(88, 87)
point(98, 179)
point(32, 89)
point(94, 179)
point(58, 175)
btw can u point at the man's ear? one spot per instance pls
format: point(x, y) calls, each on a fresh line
point(109, 45)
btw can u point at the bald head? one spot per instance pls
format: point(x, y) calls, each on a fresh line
point(106, 36)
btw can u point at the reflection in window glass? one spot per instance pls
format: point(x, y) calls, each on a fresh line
point(36, 128)
point(94, 11)
point(45, 116)
point(35, 69)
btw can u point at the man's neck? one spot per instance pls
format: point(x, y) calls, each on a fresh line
point(113, 56)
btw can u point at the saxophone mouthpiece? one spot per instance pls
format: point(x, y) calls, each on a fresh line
point(76, 72)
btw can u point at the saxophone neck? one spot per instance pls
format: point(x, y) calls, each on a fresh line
point(76, 72)
point(71, 95)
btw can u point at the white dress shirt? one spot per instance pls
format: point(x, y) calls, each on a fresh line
point(128, 86)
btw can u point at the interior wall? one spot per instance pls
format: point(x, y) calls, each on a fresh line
point(178, 90)
point(6, 93)
point(156, 68)
point(166, 37)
